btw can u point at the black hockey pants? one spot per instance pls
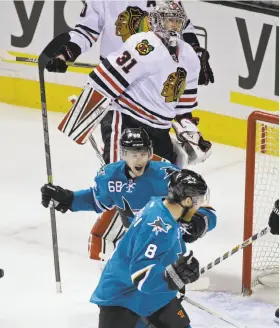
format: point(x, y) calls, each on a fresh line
point(172, 315)
point(114, 123)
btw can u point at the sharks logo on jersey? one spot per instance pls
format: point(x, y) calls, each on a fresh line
point(174, 86)
point(131, 21)
point(160, 226)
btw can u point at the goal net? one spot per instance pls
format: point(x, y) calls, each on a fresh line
point(261, 191)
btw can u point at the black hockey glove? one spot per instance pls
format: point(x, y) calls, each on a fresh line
point(274, 219)
point(196, 228)
point(206, 74)
point(69, 52)
point(183, 271)
point(62, 198)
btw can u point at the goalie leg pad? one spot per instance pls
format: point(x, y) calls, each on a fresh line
point(85, 114)
point(106, 231)
point(111, 130)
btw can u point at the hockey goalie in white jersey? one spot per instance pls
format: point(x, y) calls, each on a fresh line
point(149, 81)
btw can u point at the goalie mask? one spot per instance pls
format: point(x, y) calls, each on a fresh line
point(168, 20)
point(136, 150)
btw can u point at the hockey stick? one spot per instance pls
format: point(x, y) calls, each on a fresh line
point(95, 147)
point(42, 61)
point(235, 249)
point(214, 313)
point(216, 262)
point(7, 57)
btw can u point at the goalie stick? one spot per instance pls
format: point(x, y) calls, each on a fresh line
point(42, 61)
point(5, 56)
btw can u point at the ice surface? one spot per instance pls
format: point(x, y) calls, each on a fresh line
point(27, 292)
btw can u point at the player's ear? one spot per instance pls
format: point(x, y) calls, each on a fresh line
point(187, 202)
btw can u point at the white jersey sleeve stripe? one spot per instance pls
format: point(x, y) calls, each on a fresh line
point(85, 36)
point(86, 28)
point(85, 32)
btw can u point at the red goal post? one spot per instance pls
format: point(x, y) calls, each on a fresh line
point(261, 191)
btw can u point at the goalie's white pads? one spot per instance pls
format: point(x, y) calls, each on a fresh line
point(190, 139)
point(85, 114)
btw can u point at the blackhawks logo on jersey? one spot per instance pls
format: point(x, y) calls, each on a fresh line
point(131, 21)
point(174, 86)
point(144, 48)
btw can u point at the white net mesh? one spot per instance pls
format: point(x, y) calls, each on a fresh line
point(265, 259)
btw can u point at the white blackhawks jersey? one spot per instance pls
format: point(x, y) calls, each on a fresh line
point(116, 19)
point(146, 83)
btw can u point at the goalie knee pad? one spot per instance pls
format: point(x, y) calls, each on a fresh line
point(105, 233)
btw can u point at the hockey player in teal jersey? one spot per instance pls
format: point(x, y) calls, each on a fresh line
point(128, 184)
point(147, 268)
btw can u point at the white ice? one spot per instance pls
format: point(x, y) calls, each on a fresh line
point(28, 297)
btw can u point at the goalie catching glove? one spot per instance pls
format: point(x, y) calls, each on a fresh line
point(191, 140)
point(183, 271)
point(62, 198)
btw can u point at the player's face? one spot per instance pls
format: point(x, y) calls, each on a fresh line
point(194, 204)
point(137, 161)
point(173, 24)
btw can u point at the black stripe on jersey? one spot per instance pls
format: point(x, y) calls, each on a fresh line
point(187, 24)
point(146, 109)
point(84, 35)
point(115, 73)
point(138, 115)
point(104, 207)
point(190, 92)
point(137, 280)
point(87, 29)
point(98, 81)
point(186, 106)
